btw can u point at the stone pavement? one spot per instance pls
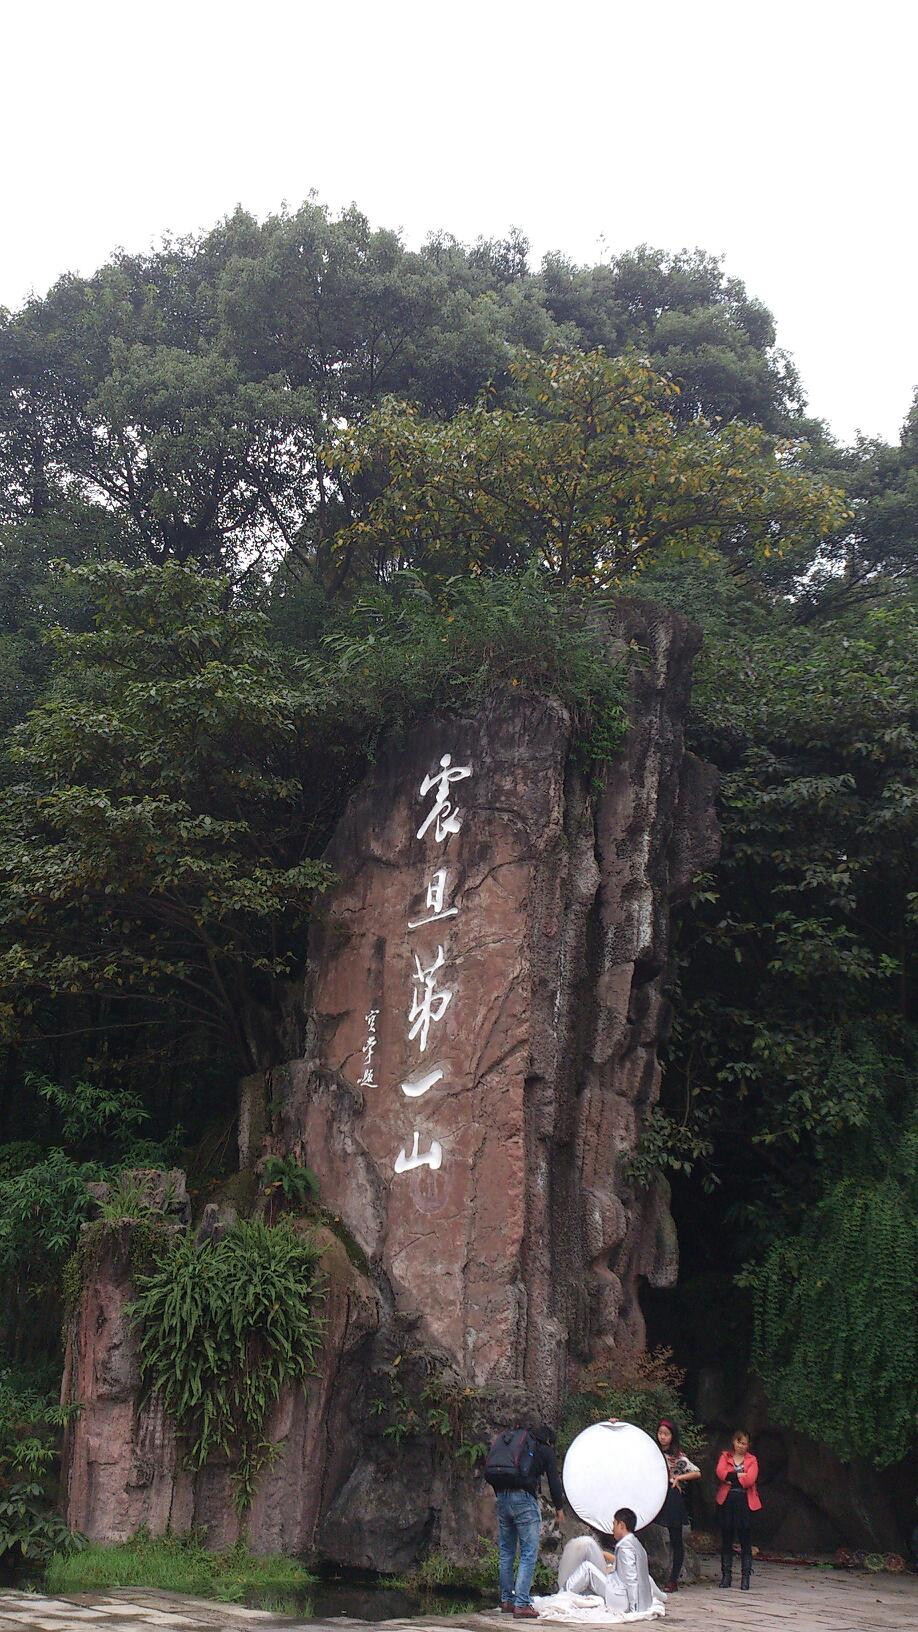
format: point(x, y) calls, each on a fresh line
point(784, 1598)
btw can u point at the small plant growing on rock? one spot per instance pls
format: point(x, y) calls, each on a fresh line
point(438, 1403)
point(283, 1178)
point(223, 1326)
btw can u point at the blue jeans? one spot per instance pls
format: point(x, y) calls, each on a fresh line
point(519, 1520)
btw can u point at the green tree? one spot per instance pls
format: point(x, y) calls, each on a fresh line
point(691, 322)
point(156, 850)
point(791, 1068)
point(587, 472)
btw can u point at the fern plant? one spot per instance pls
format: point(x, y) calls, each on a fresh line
point(223, 1326)
point(283, 1177)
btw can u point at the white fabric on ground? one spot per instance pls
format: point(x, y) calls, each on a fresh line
point(573, 1606)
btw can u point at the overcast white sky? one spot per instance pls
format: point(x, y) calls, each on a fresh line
point(779, 134)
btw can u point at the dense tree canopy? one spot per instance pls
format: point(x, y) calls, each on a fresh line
point(266, 492)
point(585, 471)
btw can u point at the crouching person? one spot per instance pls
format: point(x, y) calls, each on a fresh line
point(514, 1467)
point(622, 1580)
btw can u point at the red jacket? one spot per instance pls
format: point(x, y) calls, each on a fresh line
point(747, 1479)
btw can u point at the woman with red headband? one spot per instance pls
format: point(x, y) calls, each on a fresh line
point(674, 1513)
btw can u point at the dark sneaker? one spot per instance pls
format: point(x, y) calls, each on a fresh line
point(527, 1612)
point(506, 1607)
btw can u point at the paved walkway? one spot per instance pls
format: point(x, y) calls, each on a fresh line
point(783, 1599)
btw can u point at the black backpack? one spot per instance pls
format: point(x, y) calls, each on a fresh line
point(509, 1462)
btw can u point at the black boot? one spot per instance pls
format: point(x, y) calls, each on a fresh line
point(726, 1569)
point(745, 1570)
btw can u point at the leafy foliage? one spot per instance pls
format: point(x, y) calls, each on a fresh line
point(282, 1177)
point(406, 648)
point(156, 847)
point(30, 1528)
point(179, 400)
point(222, 1327)
point(635, 1387)
point(835, 1337)
point(586, 472)
point(44, 1199)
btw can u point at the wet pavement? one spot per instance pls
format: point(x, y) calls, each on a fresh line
point(784, 1598)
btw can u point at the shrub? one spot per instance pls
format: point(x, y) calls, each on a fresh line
point(30, 1420)
point(635, 1387)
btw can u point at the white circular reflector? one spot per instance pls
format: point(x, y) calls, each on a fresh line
point(612, 1465)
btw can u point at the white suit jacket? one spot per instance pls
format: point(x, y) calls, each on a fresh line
point(633, 1572)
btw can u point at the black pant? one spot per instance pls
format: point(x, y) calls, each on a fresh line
point(734, 1523)
point(677, 1547)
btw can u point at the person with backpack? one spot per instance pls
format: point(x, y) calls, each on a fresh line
point(514, 1467)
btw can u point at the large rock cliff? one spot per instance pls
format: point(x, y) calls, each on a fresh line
point(486, 999)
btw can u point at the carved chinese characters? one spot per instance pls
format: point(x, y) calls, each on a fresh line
point(369, 1049)
point(431, 996)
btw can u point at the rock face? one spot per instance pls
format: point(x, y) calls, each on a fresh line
point(123, 1462)
point(488, 998)
point(484, 1007)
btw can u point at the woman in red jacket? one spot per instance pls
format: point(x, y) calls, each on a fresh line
point(737, 1497)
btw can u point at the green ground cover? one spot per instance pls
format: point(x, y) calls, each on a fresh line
point(174, 1564)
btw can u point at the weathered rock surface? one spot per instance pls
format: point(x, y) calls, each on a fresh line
point(510, 1242)
point(123, 1462)
point(485, 1002)
point(524, 1249)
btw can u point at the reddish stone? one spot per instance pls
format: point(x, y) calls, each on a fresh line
point(520, 1258)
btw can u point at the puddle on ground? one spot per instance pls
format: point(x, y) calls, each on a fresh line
point(366, 1601)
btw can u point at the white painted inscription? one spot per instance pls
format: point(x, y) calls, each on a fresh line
point(430, 1001)
point(428, 1158)
point(428, 1004)
point(421, 1081)
point(448, 818)
point(435, 891)
point(369, 1049)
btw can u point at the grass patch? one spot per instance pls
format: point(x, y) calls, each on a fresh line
point(480, 1574)
point(174, 1564)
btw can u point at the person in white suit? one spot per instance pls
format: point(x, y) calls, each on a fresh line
point(626, 1587)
